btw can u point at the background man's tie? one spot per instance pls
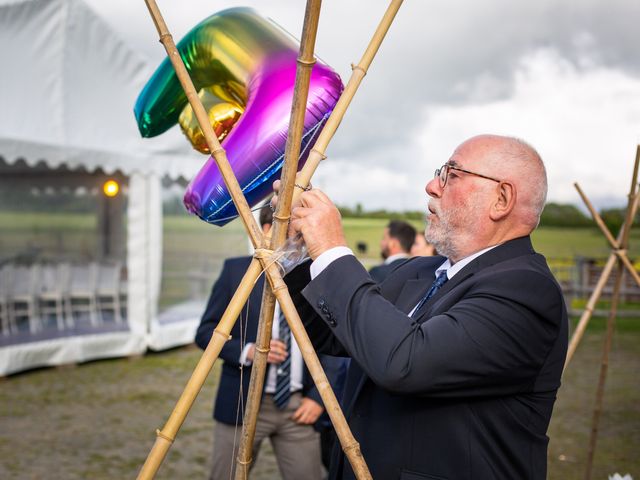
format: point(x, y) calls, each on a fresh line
point(435, 286)
point(283, 378)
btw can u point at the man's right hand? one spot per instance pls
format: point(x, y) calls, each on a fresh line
point(277, 352)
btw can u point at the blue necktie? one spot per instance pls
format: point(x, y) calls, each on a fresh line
point(435, 286)
point(283, 378)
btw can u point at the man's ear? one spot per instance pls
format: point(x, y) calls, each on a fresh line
point(504, 202)
point(393, 245)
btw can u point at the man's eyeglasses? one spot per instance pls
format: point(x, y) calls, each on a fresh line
point(442, 174)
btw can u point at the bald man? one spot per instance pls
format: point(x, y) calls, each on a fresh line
point(457, 358)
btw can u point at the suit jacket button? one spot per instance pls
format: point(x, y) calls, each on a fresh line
point(332, 321)
point(321, 303)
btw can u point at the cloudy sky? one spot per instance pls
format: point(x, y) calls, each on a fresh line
point(565, 76)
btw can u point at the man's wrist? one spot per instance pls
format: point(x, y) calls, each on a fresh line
point(244, 354)
point(326, 258)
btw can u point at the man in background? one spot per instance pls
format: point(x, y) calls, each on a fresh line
point(397, 239)
point(287, 420)
point(422, 248)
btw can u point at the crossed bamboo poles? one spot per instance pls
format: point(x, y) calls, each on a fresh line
point(617, 257)
point(275, 288)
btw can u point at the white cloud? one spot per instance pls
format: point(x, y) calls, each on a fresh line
point(449, 69)
point(584, 122)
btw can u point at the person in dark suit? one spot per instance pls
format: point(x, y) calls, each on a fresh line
point(290, 428)
point(456, 359)
point(397, 239)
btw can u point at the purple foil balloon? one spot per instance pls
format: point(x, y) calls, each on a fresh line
point(255, 147)
point(244, 59)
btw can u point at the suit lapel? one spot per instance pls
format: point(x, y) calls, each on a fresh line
point(511, 249)
point(416, 287)
point(411, 294)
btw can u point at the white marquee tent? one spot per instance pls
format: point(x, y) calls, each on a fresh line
point(66, 104)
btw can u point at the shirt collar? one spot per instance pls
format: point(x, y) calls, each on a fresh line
point(393, 258)
point(460, 264)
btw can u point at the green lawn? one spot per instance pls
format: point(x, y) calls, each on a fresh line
point(98, 420)
point(193, 251)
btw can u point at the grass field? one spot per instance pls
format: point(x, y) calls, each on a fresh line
point(193, 251)
point(97, 420)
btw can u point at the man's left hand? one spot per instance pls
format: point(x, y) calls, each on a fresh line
point(318, 221)
point(308, 412)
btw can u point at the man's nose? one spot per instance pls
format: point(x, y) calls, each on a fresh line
point(433, 188)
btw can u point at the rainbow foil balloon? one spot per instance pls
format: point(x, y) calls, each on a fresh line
point(244, 69)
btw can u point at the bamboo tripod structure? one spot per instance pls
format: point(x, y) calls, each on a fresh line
point(275, 288)
point(618, 258)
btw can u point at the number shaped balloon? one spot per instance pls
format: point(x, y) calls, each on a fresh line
point(244, 69)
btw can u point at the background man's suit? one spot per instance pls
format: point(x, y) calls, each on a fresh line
point(226, 403)
point(380, 272)
point(465, 389)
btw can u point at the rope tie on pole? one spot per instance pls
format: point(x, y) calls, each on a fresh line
point(273, 257)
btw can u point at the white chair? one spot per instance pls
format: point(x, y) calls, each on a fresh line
point(81, 296)
point(7, 322)
point(22, 296)
point(108, 289)
point(54, 284)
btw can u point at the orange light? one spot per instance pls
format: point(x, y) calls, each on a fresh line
point(110, 188)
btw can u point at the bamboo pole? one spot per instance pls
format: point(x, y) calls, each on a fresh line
point(217, 152)
point(281, 217)
point(165, 438)
point(604, 366)
point(604, 276)
point(162, 444)
point(631, 198)
point(618, 245)
point(588, 310)
point(350, 447)
point(349, 444)
point(317, 153)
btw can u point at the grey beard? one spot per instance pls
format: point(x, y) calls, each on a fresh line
point(446, 237)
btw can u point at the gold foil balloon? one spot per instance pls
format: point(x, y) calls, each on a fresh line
point(222, 116)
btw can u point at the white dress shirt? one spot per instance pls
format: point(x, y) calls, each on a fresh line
point(272, 371)
point(324, 259)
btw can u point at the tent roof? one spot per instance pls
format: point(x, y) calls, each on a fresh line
point(67, 94)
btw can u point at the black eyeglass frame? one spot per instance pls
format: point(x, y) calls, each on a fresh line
point(447, 166)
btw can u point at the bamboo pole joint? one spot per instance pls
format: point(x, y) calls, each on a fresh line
point(306, 63)
point(282, 218)
point(358, 67)
point(224, 336)
point(164, 436)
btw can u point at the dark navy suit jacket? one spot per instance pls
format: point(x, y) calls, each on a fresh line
point(380, 272)
point(463, 391)
point(226, 403)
